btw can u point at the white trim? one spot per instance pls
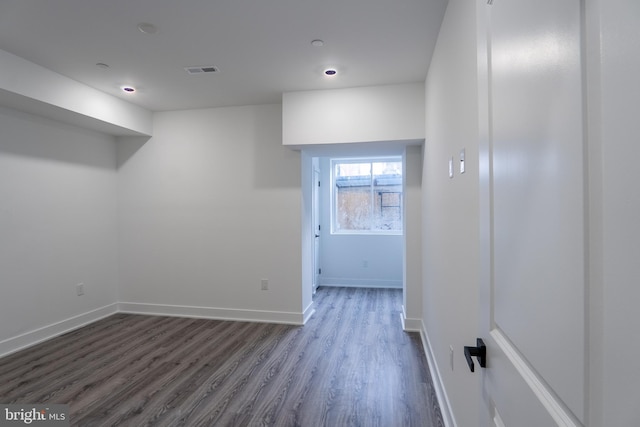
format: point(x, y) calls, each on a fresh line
point(438, 385)
point(360, 283)
point(36, 336)
point(497, 420)
point(238, 315)
point(558, 411)
point(308, 312)
point(409, 324)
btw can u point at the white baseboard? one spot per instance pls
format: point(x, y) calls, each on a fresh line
point(31, 338)
point(441, 394)
point(308, 312)
point(360, 283)
point(237, 315)
point(410, 324)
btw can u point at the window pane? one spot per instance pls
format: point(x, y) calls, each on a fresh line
point(367, 195)
point(353, 196)
point(387, 190)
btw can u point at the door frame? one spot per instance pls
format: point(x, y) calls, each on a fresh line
point(411, 151)
point(316, 206)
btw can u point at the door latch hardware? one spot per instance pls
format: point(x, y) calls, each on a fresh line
point(479, 351)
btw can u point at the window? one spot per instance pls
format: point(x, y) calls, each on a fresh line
point(367, 195)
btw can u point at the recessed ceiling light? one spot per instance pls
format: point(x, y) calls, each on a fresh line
point(147, 28)
point(330, 72)
point(317, 43)
point(128, 89)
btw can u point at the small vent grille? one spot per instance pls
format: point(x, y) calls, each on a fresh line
point(207, 69)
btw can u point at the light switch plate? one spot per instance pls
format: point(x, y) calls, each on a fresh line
point(462, 153)
point(451, 167)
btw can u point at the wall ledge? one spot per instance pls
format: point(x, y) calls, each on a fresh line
point(30, 88)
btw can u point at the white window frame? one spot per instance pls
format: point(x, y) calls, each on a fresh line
point(333, 195)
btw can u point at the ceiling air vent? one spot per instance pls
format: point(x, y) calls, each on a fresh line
point(207, 69)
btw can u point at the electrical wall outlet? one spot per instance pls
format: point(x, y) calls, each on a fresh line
point(80, 289)
point(264, 284)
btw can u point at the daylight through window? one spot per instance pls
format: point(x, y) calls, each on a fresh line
point(367, 195)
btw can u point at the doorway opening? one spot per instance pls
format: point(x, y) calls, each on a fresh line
point(358, 212)
point(389, 258)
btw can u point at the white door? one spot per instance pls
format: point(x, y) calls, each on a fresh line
point(533, 220)
point(315, 209)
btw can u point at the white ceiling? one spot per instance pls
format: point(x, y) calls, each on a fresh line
point(262, 47)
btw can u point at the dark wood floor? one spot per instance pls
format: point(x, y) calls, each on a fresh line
point(351, 365)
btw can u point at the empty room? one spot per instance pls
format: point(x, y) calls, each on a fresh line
point(469, 258)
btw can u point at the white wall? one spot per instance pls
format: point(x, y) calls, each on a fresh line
point(58, 227)
point(361, 260)
point(450, 227)
point(365, 114)
point(356, 259)
point(208, 207)
point(412, 239)
point(615, 201)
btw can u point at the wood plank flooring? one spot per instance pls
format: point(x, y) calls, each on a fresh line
point(351, 365)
